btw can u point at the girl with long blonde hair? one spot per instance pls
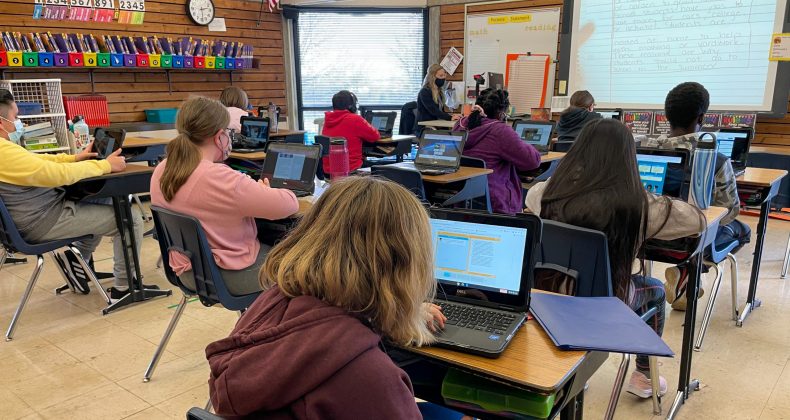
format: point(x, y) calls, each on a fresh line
point(430, 100)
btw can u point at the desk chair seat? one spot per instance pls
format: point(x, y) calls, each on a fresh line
point(197, 413)
point(582, 256)
point(715, 254)
point(175, 231)
point(478, 203)
point(12, 242)
point(408, 178)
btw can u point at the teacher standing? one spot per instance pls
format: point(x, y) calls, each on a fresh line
point(430, 100)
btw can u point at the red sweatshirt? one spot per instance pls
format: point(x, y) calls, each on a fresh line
point(354, 129)
point(302, 358)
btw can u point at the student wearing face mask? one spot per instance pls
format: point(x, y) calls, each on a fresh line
point(194, 181)
point(430, 100)
point(495, 142)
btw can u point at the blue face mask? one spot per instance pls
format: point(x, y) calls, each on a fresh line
point(16, 135)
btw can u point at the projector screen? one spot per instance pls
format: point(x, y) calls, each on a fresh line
point(629, 54)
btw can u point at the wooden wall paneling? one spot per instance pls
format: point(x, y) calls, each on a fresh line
point(130, 91)
point(770, 131)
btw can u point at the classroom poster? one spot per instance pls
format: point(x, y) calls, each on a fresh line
point(780, 47)
point(639, 122)
point(660, 123)
point(452, 60)
point(711, 121)
point(738, 119)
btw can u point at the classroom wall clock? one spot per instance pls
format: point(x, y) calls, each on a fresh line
point(201, 11)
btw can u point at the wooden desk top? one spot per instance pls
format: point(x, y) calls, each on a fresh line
point(551, 157)
point(254, 156)
point(131, 169)
point(437, 123)
point(155, 138)
point(714, 214)
point(761, 177)
point(778, 150)
point(130, 142)
point(463, 173)
point(284, 132)
point(531, 360)
point(397, 138)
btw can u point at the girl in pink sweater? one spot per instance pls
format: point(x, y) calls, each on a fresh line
point(194, 181)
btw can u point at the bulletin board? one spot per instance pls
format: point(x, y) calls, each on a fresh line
point(489, 37)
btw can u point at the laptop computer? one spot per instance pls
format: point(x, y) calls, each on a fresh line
point(440, 152)
point(536, 133)
point(105, 141)
point(292, 166)
point(382, 121)
point(664, 171)
point(735, 143)
point(615, 114)
point(483, 266)
point(254, 135)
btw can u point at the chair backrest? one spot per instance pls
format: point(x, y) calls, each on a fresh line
point(196, 413)
point(408, 178)
point(479, 203)
point(579, 253)
point(9, 234)
point(408, 117)
point(324, 141)
point(184, 234)
point(561, 146)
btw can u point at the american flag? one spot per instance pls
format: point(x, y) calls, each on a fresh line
point(273, 4)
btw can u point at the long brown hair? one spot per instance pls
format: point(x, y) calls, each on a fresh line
point(364, 246)
point(430, 83)
point(199, 119)
point(580, 99)
point(597, 186)
point(233, 96)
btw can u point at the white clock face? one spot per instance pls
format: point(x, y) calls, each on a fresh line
point(201, 11)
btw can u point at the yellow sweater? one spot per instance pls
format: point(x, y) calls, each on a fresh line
point(25, 169)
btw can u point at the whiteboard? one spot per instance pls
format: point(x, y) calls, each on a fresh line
point(631, 54)
point(490, 37)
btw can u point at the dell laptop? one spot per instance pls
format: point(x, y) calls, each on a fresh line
point(254, 135)
point(735, 143)
point(483, 266)
point(292, 166)
point(664, 171)
point(440, 152)
point(536, 133)
point(382, 121)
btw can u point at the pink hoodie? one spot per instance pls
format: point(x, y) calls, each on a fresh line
point(226, 202)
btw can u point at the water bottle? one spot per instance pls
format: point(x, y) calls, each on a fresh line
point(274, 118)
point(81, 133)
point(338, 159)
point(703, 171)
point(413, 154)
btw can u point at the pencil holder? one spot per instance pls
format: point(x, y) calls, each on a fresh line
point(15, 59)
point(189, 62)
point(130, 60)
point(210, 62)
point(200, 62)
point(247, 62)
point(90, 59)
point(155, 60)
point(30, 59)
point(104, 59)
point(3, 59)
point(116, 60)
point(143, 60)
point(45, 59)
point(167, 61)
point(220, 63)
point(238, 63)
point(61, 59)
point(178, 61)
point(76, 60)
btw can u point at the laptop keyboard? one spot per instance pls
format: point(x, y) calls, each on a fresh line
point(480, 319)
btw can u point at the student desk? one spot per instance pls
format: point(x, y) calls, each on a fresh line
point(252, 157)
point(548, 161)
point(765, 182)
point(443, 124)
point(147, 146)
point(531, 362)
point(135, 179)
point(396, 139)
point(685, 384)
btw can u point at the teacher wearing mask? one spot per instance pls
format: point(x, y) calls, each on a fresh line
point(430, 100)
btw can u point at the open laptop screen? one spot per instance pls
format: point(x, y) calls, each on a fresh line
point(440, 149)
point(256, 129)
point(735, 145)
point(653, 171)
point(379, 122)
point(291, 166)
point(664, 171)
point(534, 134)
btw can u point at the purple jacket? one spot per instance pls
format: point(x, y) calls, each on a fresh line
point(503, 151)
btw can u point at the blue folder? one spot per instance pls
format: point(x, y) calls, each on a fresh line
point(595, 323)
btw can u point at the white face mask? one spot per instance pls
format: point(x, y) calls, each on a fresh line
point(19, 129)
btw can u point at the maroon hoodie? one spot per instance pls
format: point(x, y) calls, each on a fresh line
point(301, 358)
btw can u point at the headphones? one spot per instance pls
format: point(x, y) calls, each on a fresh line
point(354, 101)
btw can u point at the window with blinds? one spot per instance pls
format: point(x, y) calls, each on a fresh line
point(378, 55)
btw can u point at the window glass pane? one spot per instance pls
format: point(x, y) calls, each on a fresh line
point(376, 55)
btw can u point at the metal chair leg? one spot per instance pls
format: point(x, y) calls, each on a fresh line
point(208, 405)
point(648, 268)
point(165, 338)
point(786, 262)
point(3, 257)
point(655, 381)
point(139, 203)
point(159, 262)
point(91, 274)
point(25, 296)
point(734, 285)
point(709, 308)
point(618, 387)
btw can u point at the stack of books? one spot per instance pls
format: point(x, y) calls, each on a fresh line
point(40, 137)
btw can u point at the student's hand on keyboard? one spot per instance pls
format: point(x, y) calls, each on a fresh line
point(264, 182)
point(434, 316)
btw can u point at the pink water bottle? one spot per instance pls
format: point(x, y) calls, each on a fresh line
point(338, 158)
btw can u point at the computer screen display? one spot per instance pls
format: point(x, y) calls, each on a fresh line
point(291, 166)
point(615, 115)
point(478, 256)
point(379, 122)
point(730, 146)
point(255, 129)
point(440, 149)
point(534, 134)
point(653, 170)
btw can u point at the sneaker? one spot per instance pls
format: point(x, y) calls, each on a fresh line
point(675, 276)
point(680, 303)
point(640, 385)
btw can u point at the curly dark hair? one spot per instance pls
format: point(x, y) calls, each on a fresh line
point(685, 103)
point(493, 102)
